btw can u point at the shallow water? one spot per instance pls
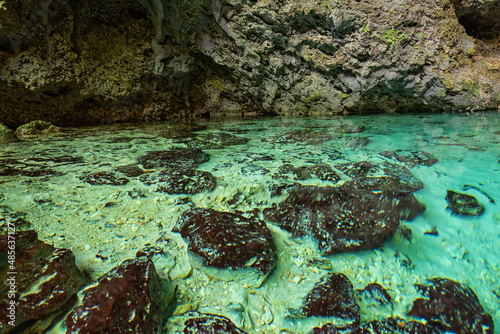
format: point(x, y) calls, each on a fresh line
point(106, 224)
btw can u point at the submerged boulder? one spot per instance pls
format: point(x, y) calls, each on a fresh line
point(125, 300)
point(41, 280)
point(36, 128)
point(179, 181)
point(411, 158)
point(451, 307)
point(463, 204)
point(203, 323)
point(185, 158)
point(227, 240)
point(339, 219)
point(216, 140)
point(100, 178)
point(384, 326)
point(333, 296)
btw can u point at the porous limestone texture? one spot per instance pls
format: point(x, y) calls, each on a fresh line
point(88, 62)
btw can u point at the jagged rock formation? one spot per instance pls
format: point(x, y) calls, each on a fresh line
point(82, 62)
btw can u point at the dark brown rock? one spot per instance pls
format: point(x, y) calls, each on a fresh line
point(100, 178)
point(130, 171)
point(210, 324)
point(45, 279)
point(185, 158)
point(341, 220)
point(377, 292)
point(13, 219)
point(305, 136)
point(178, 181)
point(452, 307)
point(396, 326)
point(333, 296)
point(227, 240)
point(216, 140)
point(125, 300)
point(463, 204)
point(332, 329)
point(411, 158)
point(321, 171)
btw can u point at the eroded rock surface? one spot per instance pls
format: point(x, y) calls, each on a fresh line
point(179, 181)
point(341, 220)
point(149, 60)
point(410, 157)
point(209, 324)
point(185, 158)
point(333, 296)
point(125, 300)
point(45, 282)
point(463, 204)
point(99, 178)
point(228, 240)
point(452, 307)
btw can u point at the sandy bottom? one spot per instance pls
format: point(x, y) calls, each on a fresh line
point(70, 213)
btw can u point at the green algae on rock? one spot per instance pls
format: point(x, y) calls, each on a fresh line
point(36, 128)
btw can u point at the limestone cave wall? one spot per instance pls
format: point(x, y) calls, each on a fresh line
point(92, 62)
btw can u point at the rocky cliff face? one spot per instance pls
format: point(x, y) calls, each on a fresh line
point(82, 62)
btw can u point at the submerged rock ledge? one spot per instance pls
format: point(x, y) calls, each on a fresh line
point(91, 62)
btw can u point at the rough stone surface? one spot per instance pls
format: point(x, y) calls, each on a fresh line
point(463, 204)
point(125, 300)
point(108, 178)
point(452, 307)
point(410, 157)
point(340, 219)
point(209, 324)
point(321, 171)
point(6, 134)
point(333, 296)
point(46, 281)
point(82, 62)
point(36, 128)
point(385, 326)
point(227, 240)
point(175, 181)
point(216, 141)
point(185, 158)
point(13, 219)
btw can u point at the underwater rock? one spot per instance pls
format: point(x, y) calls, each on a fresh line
point(178, 181)
point(40, 172)
point(463, 204)
point(385, 326)
point(254, 170)
point(333, 296)
point(451, 307)
point(357, 142)
point(339, 219)
point(332, 329)
point(6, 134)
point(411, 158)
point(385, 176)
point(130, 171)
point(321, 171)
point(36, 128)
point(108, 178)
point(205, 323)
point(216, 140)
point(182, 158)
point(376, 292)
point(227, 240)
point(348, 128)
point(46, 279)
point(305, 136)
point(182, 130)
point(396, 326)
point(125, 300)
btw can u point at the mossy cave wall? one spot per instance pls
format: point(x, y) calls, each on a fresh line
point(92, 62)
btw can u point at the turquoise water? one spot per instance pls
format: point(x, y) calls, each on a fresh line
point(106, 224)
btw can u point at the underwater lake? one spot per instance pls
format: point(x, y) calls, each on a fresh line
point(279, 225)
